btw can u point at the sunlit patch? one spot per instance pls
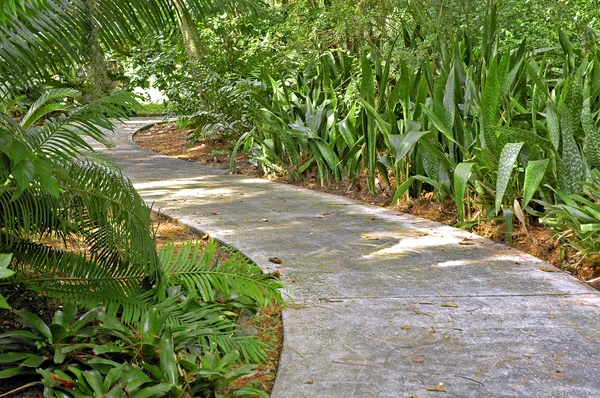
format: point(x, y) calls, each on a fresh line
point(453, 263)
point(412, 245)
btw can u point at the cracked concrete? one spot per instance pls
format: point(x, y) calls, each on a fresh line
point(384, 304)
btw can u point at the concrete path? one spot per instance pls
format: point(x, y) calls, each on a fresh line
point(386, 304)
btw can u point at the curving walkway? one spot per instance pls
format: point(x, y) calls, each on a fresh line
point(386, 304)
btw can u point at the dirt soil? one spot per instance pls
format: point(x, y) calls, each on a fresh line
point(266, 324)
point(532, 238)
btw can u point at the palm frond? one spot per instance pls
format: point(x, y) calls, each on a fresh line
point(65, 275)
point(39, 108)
point(204, 276)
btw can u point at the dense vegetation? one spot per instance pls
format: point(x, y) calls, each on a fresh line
point(494, 105)
point(89, 307)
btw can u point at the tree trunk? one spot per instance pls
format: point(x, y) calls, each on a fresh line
point(191, 41)
point(96, 68)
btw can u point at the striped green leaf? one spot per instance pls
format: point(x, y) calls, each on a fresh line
point(407, 144)
point(534, 173)
point(440, 125)
point(367, 91)
point(553, 124)
point(592, 135)
point(461, 178)
point(506, 164)
point(570, 150)
point(490, 99)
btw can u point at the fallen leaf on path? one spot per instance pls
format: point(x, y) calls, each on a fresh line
point(549, 269)
point(439, 388)
point(450, 305)
point(275, 260)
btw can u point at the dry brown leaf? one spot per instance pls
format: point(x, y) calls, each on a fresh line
point(438, 388)
point(450, 305)
point(549, 269)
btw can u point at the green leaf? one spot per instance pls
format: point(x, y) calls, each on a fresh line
point(525, 136)
point(592, 135)
point(449, 100)
point(440, 125)
point(4, 304)
point(407, 144)
point(94, 379)
point(538, 80)
point(367, 89)
point(167, 357)
point(506, 164)
point(11, 372)
point(105, 348)
point(571, 155)
point(567, 48)
point(553, 124)
point(154, 391)
point(23, 172)
point(36, 323)
point(590, 227)
point(5, 260)
point(16, 357)
point(490, 99)
point(534, 173)
point(402, 188)
point(508, 215)
point(461, 179)
point(6, 140)
point(34, 361)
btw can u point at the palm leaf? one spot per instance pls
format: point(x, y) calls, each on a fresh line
point(204, 276)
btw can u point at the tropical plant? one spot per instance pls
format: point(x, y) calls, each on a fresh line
point(576, 220)
point(94, 354)
point(298, 121)
point(5, 272)
point(190, 295)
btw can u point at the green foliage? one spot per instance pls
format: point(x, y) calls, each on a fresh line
point(5, 272)
point(576, 220)
point(94, 354)
point(298, 121)
point(481, 117)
